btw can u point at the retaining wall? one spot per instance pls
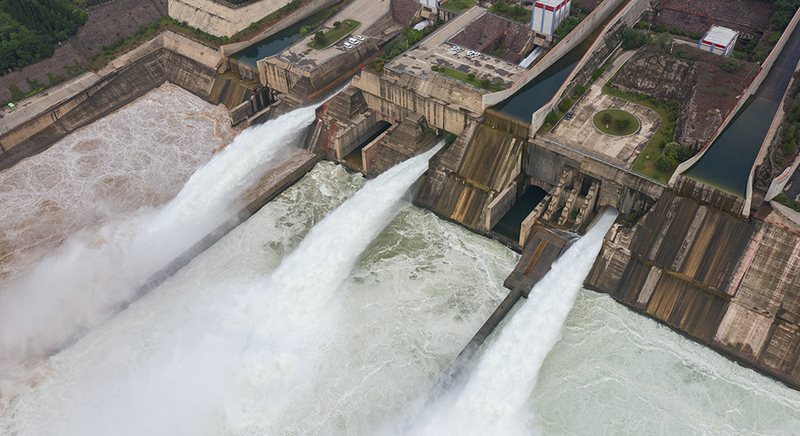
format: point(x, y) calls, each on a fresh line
point(607, 42)
point(168, 57)
point(751, 90)
point(563, 47)
point(307, 10)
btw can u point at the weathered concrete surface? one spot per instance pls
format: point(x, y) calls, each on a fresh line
point(308, 9)
point(221, 19)
point(436, 50)
point(490, 163)
point(302, 73)
point(167, 57)
point(542, 247)
point(604, 46)
point(581, 133)
point(722, 281)
point(620, 187)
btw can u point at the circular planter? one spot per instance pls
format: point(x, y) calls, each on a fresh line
point(616, 114)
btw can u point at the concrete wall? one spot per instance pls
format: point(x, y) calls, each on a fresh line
point(302, 84)
point(305, 11)
point(765, 68)
point(500, 205)
point(398, 95)
point(563, 47)
point(168, 57)
point(728, 283)
point(621, 188)
point(598, 54)
point(219, 19)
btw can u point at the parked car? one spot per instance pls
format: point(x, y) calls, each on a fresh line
point(361, 38)
point(568, 115)
point(352, 40)
point(347, 45)
point(528, 3)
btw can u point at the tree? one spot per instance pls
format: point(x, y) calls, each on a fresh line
point(337, 23)
point(664, 42)
point(471, 76)
point(661, 163)
point(501, 6)
point(551, 118)
point(319, 37)
point(622, 123)
point(607, 118)
point(565, 105)
point(730, 65)
point(485, 83)
point(16, 94)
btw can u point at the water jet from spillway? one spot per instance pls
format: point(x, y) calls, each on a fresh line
point(80, 284)
point(494, 396)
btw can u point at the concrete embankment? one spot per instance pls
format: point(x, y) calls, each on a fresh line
point(727, 283)
point(167, 57)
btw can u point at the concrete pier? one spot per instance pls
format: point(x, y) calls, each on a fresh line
point(544, 247)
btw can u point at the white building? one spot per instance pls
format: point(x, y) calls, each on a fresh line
point(548, 14)
point(432, 4)
point(719, 40)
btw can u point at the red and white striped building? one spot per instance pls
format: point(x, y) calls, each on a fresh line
point(719, 40)
point(548, 14)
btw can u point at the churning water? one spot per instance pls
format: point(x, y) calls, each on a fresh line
point(81, 282)
point(193, 357)
point(355, 350)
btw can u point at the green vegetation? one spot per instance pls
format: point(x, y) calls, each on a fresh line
point(551, 119)
point(449, 139)
point(516, 12)
point(632, 39)
point(258, 26)
point(407, 39)
point(566, 26)
point(730, 65)
point(565, 104)
point(324, 40)
point(782, 198)
point(29, 28)
point(655, 147)
point(615, 122)
point(469, 79)
point(660, 28)
point(457, 5)
point(782, 13)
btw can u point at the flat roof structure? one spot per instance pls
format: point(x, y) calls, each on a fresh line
point(721, 36)
point(436, 49)
point(367, 12)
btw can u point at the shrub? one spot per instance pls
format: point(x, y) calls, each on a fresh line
point(661, 163)
point(640, 25)
point(485, 83)
point(564, 106)
point(319, 37)
point(471, 76)
point(551, 118)
point(16, 94)
point(781, 198)
point(449, 139)
point(633, 39)
point(664, 42)
point(580, 90)
point(622, 123)
point(337, 24)
point(730, 65)
point(607, 118)
point(679, 153)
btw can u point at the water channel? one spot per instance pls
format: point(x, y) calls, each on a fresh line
point(728, 162)
point(276, 43)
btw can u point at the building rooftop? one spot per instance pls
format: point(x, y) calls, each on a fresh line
point(437, 49)
point(367, 12)
point(720, 35)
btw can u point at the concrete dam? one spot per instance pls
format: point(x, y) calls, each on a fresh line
point(413, 315)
